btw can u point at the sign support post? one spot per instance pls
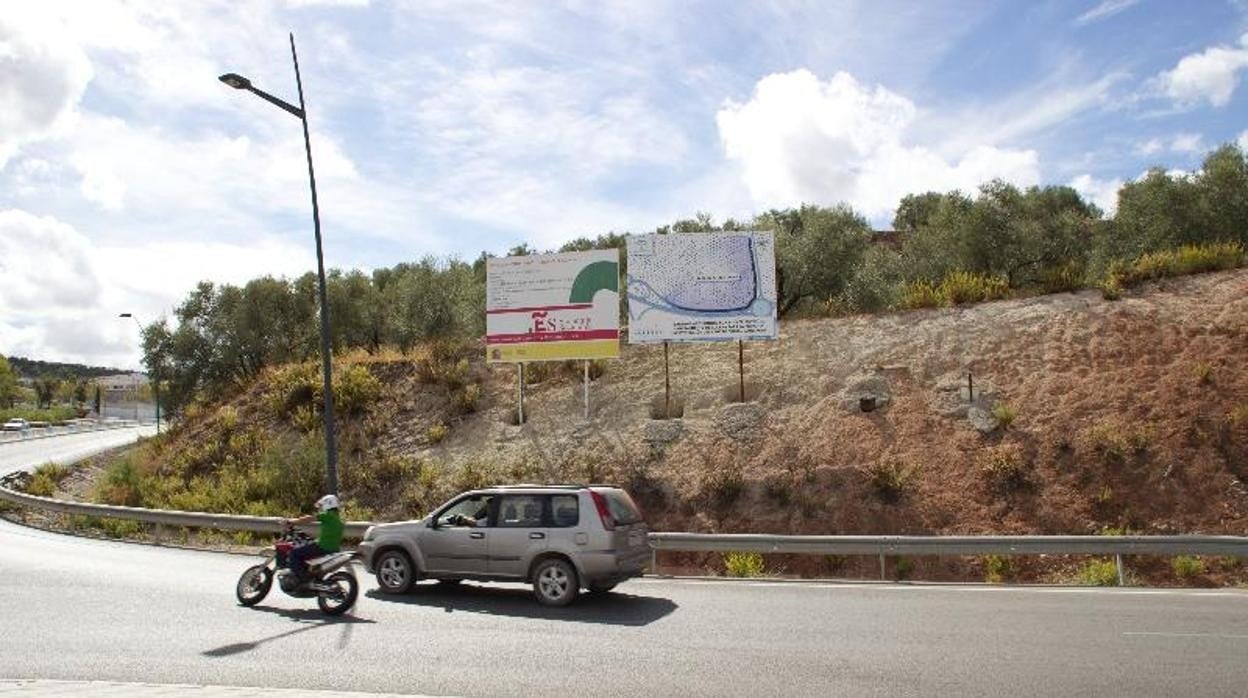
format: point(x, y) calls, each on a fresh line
point(667, 386)
point(587, 390)
point(520, 394)
point(741, 366)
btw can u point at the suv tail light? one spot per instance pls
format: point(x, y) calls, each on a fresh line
point(600, 503)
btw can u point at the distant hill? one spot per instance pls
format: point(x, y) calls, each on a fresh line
point(33, 368)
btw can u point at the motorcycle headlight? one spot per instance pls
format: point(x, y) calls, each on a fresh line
point(368, 533)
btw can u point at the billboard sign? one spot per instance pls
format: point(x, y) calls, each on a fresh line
point(702, 287)
point(553, 307)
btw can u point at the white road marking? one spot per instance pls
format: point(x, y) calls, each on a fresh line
point(1216, 636)
point(873, 586)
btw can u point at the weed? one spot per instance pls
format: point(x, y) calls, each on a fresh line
point(1188, 259)
point(836, 562)
point(464, 400)
point(1005, 470)
point(436, 433)
point(122, 483)
point(355, 389)
point(921, 294)
point(1188, 566)
point(660, 410)
point(744, 565)
point(891, 479)
point(305, 418)
point(47, 479)
point(1099, 572)
point(1004, 414)
point(962, 287)
point(1065, 278)
point(724, 487)
point(997, 568)
point(904, 568)
point(1203, 373)
point(120, 528)
point(778, 489)
point(1229, 563)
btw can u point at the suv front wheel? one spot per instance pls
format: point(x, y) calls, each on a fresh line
point(555, 582)
point(395, 572)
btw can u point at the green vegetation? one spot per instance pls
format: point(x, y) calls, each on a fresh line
point(1004, 414)
point(1203, 373)
point(1188, 566)
point(891, 479)
point(997, 569)
point(1005, 470)
point(951, 248)
point(744, 565)
point(437, 433)
point(1099, 572)
point(47, 479)
point(60, 413)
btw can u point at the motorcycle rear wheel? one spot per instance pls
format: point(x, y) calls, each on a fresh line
point(254, 585)
point(343, 598)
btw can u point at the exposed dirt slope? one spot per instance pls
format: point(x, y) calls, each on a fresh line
point(1126, 414)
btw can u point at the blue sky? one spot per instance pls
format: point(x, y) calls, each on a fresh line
point(128, 173)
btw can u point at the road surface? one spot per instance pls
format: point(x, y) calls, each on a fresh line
point(75, 609)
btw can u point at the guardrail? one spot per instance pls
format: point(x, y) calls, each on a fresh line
point(48, 432)
point(881, 546)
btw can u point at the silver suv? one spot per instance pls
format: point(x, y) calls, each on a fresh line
point(559, 538)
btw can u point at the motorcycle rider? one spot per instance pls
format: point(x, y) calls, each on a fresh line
point(329, 540)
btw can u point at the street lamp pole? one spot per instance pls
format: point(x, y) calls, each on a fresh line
point(239, 82)
point(155, 374)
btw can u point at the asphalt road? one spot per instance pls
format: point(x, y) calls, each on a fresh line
point(18, 455)
point(83, 609)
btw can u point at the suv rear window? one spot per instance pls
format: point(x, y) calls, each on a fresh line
point(565, 510)
point(621, 506)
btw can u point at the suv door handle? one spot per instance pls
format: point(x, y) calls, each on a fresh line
point(477, 534)
point(536, 535)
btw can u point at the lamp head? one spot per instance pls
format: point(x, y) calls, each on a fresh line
point(235, 80)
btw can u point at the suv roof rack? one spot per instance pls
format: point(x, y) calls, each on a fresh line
point(534, 485)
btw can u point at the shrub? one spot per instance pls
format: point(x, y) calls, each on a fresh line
point(294, 386)
point(961, 287)
point(744, 565)
point(46, 479)
point(891, 479)
point(1203, 373)
point(921, 294)
point(724, 486)
point(227, 418)
point(52, 414)
point(997, 568)
point(1099, 572)
point(904, 568)
point(1004, 414)
point(658, 410)
point(464, 400)
point(436, 433)
point(122, 484)
point(1005, 470)
point(1188, 566)
point(1062, 279)
point(1188, 259)
point(355, 390)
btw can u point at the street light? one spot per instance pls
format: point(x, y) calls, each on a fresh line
point(155, 374)
point(239, 82)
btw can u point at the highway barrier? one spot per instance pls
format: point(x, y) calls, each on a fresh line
point(881, 546)
point(50, 431)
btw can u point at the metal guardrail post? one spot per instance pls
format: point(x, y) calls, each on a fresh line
point(1122, 579)
point(883, 576)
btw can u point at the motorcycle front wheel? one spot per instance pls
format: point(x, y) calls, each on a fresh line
point(342, 594)
point(254, 585)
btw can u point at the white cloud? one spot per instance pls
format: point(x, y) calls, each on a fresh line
point(1102, 192)
point(42, 79)
point(1104, 10)
point(1150, 147)
point(1243, 141)
point(1187, 143)
point(802, 140)
point(1210, 76)
point(44, 263)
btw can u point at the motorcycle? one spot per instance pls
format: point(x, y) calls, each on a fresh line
point(335, 589)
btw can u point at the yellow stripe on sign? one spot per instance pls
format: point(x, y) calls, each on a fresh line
point(552, 351)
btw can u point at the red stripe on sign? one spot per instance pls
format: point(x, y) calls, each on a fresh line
point(574, 306)
point(572, 336)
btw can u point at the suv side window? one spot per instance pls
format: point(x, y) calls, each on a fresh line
point(520, 511)
point(475, 511)
point(565, 510)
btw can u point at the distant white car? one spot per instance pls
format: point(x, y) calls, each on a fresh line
point(16, 424)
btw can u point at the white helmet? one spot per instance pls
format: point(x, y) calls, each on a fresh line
point(326, 503)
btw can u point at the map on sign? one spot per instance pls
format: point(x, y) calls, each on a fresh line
point(701, 287)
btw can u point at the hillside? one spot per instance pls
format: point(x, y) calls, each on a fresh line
point(1087, 415)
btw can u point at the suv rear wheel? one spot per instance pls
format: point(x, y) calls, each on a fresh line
point(395, 572)
point(555, 582)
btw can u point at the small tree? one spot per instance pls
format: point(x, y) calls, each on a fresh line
point(9, 391)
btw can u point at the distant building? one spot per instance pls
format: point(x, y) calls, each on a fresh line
point(122, 382)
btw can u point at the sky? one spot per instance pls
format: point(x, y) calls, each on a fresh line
point(128, 172)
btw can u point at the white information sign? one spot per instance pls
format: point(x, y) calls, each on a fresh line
point(701, 287)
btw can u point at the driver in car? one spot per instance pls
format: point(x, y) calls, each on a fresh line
point(479, 519)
